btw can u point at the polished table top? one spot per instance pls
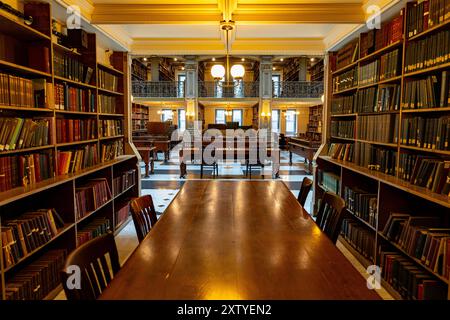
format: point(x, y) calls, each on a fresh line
point(237, 240)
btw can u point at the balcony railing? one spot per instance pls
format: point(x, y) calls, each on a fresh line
point(222, 89)
point(297, 89)
point(158, 89)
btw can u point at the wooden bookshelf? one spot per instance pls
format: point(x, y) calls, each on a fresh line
point(393, 194)
point(40, 195)
point(140, 116)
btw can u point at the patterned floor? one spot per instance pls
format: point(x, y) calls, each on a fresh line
point(165, 183)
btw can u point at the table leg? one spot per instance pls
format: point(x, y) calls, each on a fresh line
point(290, 158)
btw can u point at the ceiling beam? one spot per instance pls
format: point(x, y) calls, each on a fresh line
point(300, 13)
point(241, 13)
point(156, 14)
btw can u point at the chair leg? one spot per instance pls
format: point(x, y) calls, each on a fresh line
point(262, 171)
point(201, 171)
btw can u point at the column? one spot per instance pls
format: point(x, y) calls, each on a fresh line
point(191, 94)
point(154, 68)
point(303, 69)
point(265, 93)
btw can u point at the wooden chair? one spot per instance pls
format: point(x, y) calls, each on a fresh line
point(304, 190)
point(90, 257)
point(144, 215)
point(330, 215)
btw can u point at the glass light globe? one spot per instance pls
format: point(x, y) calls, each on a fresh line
point(237, 71)
point(218, 71)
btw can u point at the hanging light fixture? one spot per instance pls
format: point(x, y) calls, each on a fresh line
point(237, 71)
point(218, 72)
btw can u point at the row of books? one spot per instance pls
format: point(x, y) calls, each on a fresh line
point(71, 161)
point(343, 104)
point(378, 128)
point(426, 14)
point(342, 128)
point(91, 196)
point(376, 158)
point(362, 239)
point(346, 80)
point(110, 128)
point(428, 133)
point(96, 228)
point(362, 204)
point(21, 92)
point(111, 150)
point(70, 130)
point(21, 133)
point(431, 92)
point(389, 64)
point(428, 52)
point(68, 67)
point(341, 151)
point(74, 99)
point(329, 181)
point(107, 104)
point(23, 170)
point(122, 213)
point(348, 54)
point(388, 98)
point(376, 39)
point(422, 238)
point(38, 279)
point(107, 81)
point(27, 232)
point(427, 172)
point(124, 181)
point(368, 73)
point(410, 281)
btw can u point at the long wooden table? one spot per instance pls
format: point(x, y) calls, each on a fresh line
point(237, 240)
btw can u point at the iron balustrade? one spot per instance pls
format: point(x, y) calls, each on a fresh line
point(297, 89)
point(232, 89)
point(158, 89)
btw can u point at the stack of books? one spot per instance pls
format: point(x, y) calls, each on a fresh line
point(91, 196)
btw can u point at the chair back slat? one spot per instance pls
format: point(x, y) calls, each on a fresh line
point(330, 215)
point(144, 215)
point(304, 191)
point(95, 272)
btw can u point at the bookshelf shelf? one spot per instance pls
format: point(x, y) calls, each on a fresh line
point(76, 112)
point(60, 232)
point(76, 83)
point(417, 261)
point(430, 31)
point(26, 150)
point(110, 69)
point(91, 213)
point(19, 29)
point(423, 110)
point(378, 112)
point(112, 137)
point(125, 191)
point(390, 80)
point(362, 221)
point(54, 293)
point(101, 90)
point(347, 67)
point(364, 261)
point(442, 152)
point(427, 70)
point(391, 145)
point(346, 90)
point(368, 85)
point(381, 51)
point(22, 70)
point(19, 109)
point(118, 115)
point(58, 46)
point(74, 143)
point(340, 138)
point(344, 115)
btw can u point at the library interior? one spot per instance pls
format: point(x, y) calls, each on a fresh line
point(224, 150)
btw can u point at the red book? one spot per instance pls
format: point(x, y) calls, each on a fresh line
point(70, 134)
point(426, 14)
point(37, 168)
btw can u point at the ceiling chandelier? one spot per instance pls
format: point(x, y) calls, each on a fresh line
point(218, 71)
